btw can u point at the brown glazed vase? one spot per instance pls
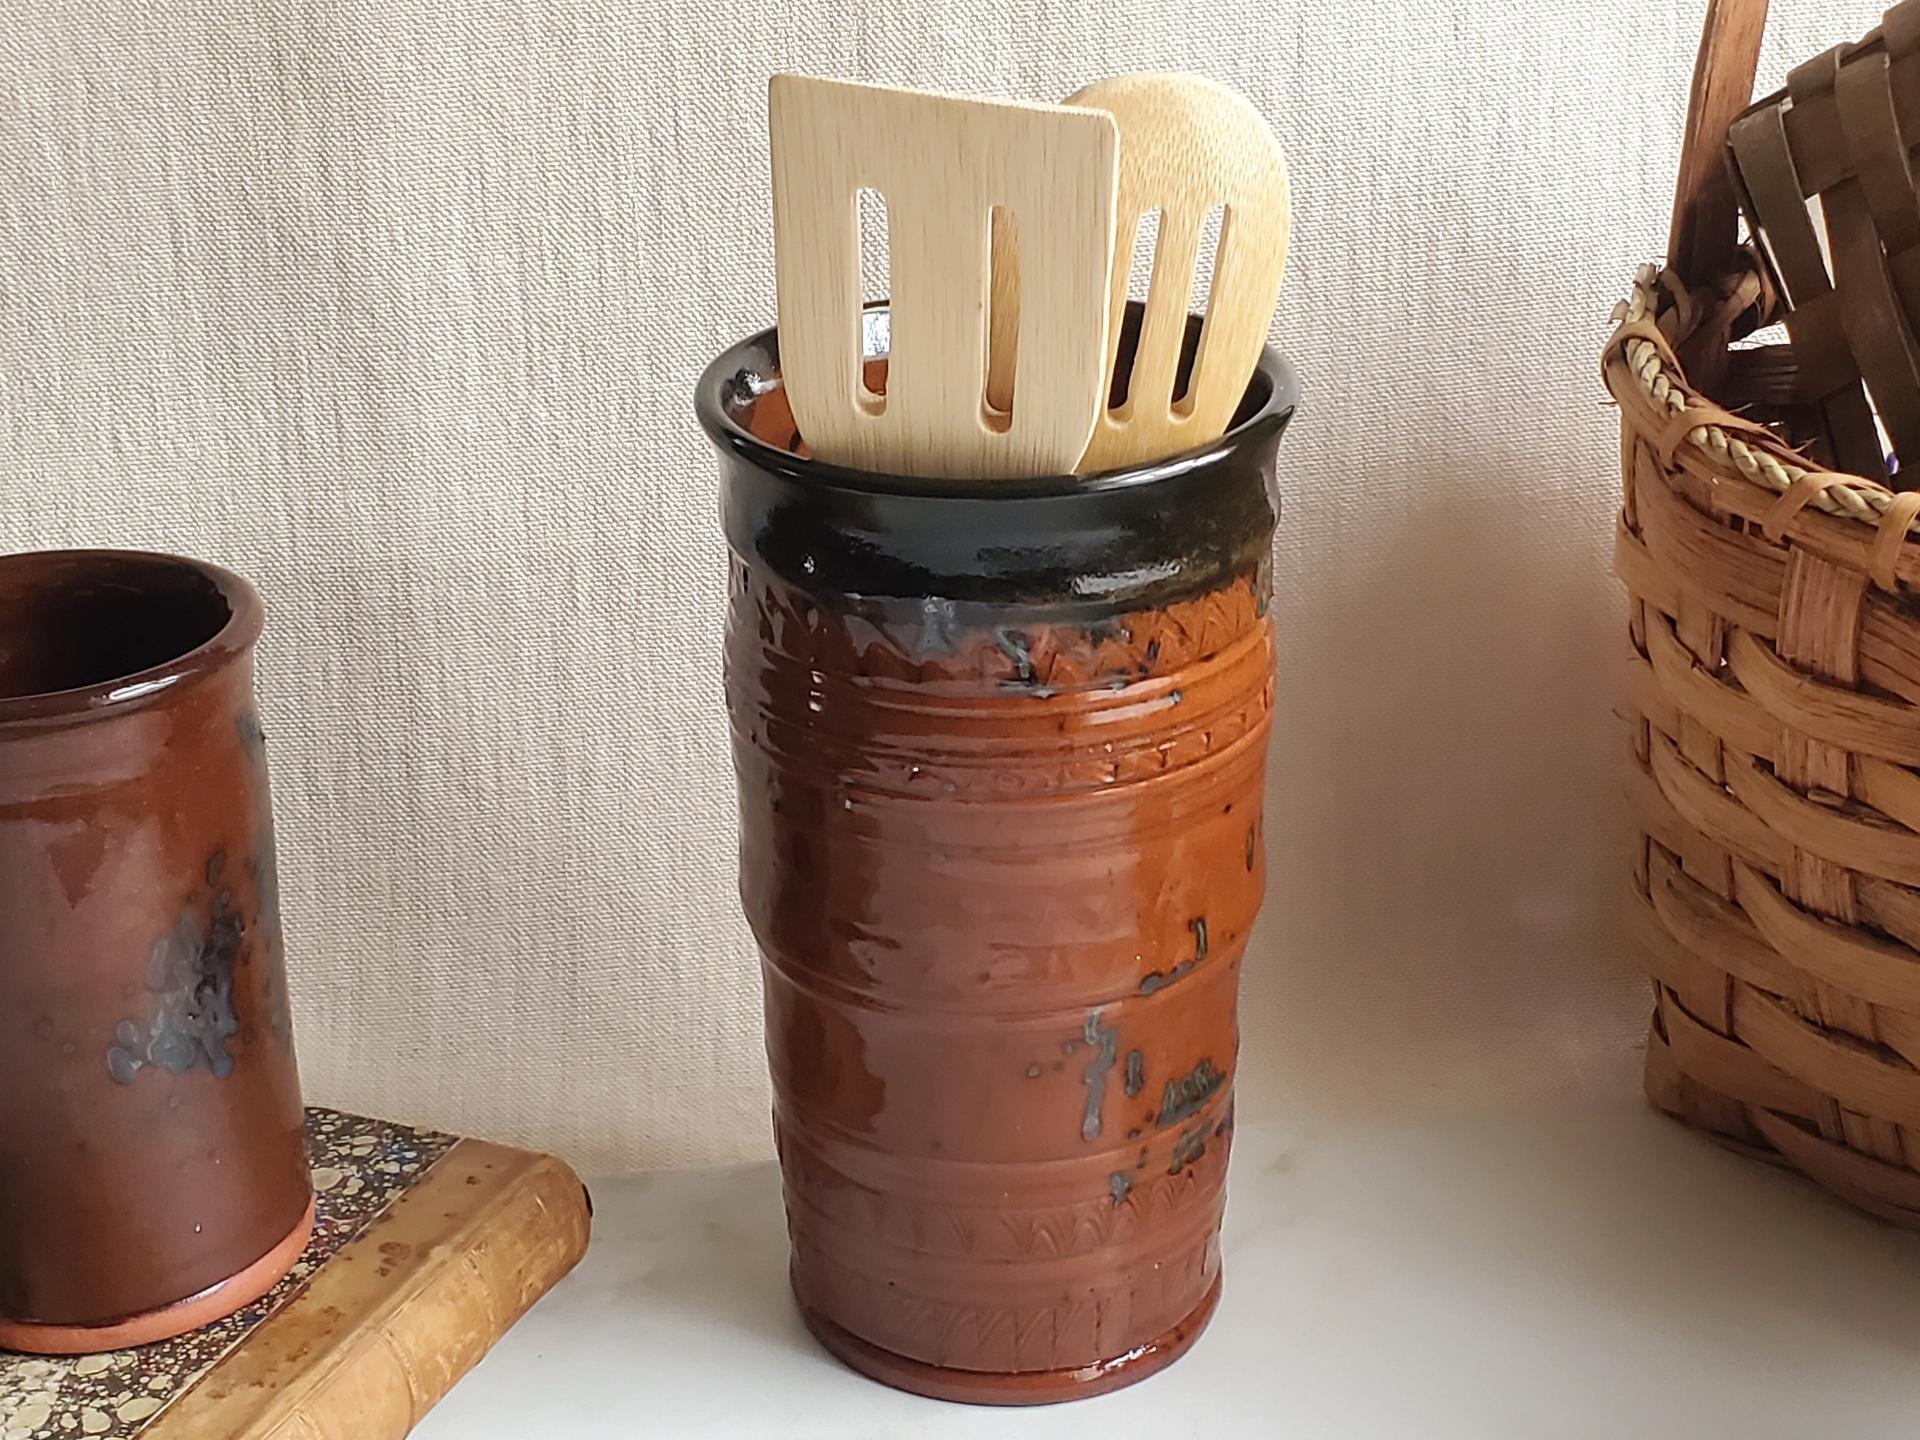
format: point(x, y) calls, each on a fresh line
point(1000, 750)
point(153, 1169)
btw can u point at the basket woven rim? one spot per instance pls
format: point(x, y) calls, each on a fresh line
point(1730, 444)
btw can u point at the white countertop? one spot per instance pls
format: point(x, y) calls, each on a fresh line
point(1583, 1272)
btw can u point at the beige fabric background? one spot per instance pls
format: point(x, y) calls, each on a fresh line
point(396, 306)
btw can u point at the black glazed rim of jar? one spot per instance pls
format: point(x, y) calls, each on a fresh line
point(731, 375)
point(1140, 536)
point(135, 572)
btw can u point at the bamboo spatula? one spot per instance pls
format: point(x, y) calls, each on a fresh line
point(942, 164)
point(1186, 145)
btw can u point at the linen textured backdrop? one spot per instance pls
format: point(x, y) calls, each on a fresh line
point(397, 308)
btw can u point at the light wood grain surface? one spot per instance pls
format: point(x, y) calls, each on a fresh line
point(392, 1322)
point(942, 164)
point(1188, 145)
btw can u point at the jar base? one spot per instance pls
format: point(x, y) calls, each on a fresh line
point(216, 1302)
point(1029, 1387)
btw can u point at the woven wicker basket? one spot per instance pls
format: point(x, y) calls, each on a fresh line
point(1775, 621)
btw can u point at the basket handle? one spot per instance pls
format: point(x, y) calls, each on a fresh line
point(1704, 245)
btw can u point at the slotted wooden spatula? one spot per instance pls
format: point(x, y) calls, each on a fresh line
point(942, 164)
point(1186, 145)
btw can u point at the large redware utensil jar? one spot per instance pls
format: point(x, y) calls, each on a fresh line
point(1000, 751)
point(153, 1169)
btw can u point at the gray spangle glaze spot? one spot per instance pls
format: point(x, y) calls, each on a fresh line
point(743, 386)
point(1013, 645)
point(1174, 697)
point(123, 1062)
point(1136, 1073)
point(173, 1051)
point(1160, 979)
point(1033, 1072)
point(247, 722)
point(1118, 1184)
point(1101, 1038)
point(1188, 1093)
point(121, 1065)
point(939, 630)
point(1188, 1148)
point(190, 973)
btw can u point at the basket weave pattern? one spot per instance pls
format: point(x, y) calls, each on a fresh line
point(1775, 681)
point(1841, 134)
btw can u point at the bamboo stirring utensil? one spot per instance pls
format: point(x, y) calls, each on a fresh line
point(1186, 145)
point(942, 164)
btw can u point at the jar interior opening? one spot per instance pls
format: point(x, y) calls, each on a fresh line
point(761, 408)
point(73, 623)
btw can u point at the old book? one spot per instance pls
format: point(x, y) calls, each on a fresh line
point(426, 1250)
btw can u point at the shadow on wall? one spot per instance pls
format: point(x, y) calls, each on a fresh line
point(1446, 844)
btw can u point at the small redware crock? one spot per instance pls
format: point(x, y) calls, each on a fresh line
point(153, 1166)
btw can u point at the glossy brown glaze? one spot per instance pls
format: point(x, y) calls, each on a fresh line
point(153, 1168)
point(1039, 1387)
point(1002, 859)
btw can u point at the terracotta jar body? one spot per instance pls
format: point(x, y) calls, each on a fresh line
point(153, 1170)
point(1000, 752)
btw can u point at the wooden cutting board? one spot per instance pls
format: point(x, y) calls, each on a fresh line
point(426, 1250)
